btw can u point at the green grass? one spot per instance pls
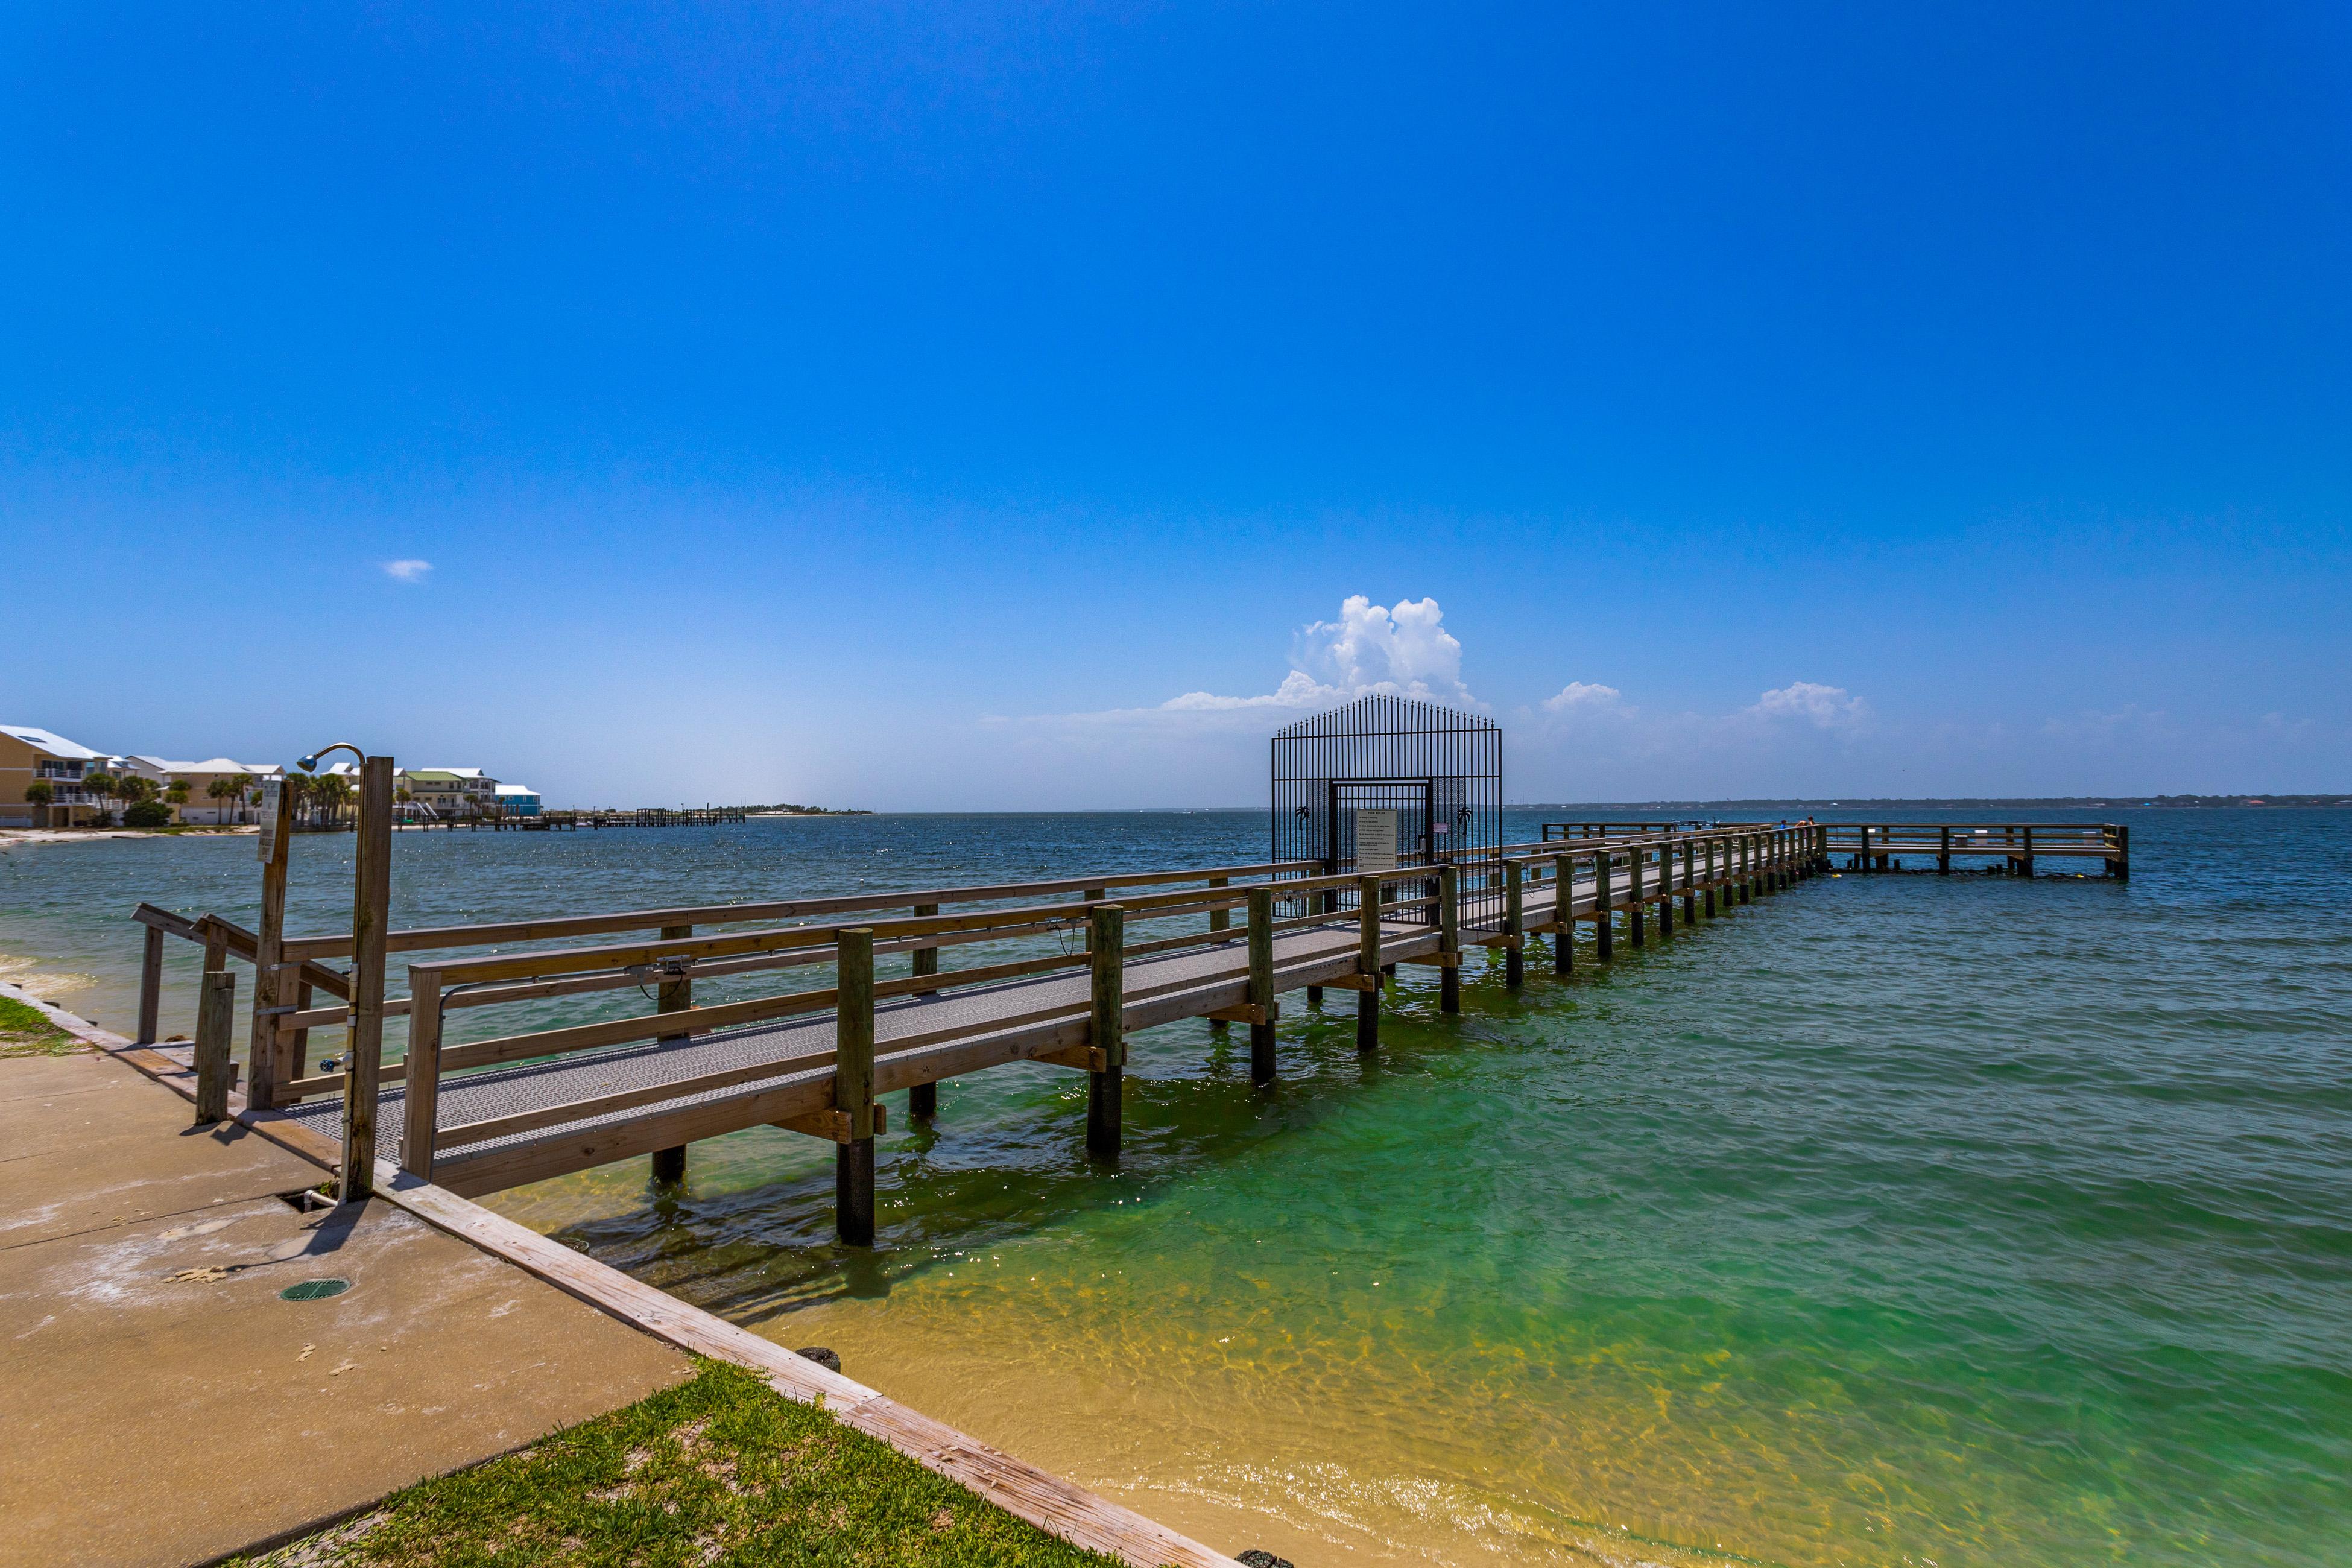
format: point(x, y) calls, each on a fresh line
point(26, 1032)
point(720, 1470)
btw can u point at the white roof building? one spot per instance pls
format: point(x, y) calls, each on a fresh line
point(54, 744)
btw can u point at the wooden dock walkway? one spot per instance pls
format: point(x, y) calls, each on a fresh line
point(497, 1111)
point(478, 1115)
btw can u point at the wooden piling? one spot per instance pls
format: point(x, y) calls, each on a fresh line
point(1604, 905)
point(215, 1020)
point(1515, 959)
point(923, 1099)
point(1690, 882)
point(1666, 891)
point(1634, 859)
point(151, 986)
point(674, 996)
point(1563, 936)
point(1107, 932)
point(853, 1087)
point(1449, 938)
point(1261, 984)
point(1220, 919)
point(1367, 963)
point(371, 926)
point(271, 981)
point(1712, 877)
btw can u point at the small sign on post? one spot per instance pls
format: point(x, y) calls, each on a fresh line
point(1376, 845)
point(266, 848)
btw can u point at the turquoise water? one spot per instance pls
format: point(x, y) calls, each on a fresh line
point(1896, 1220)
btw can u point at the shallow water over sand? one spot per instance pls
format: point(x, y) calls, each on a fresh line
point(1891, 1220)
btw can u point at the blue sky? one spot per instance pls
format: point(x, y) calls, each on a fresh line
point(900, 406)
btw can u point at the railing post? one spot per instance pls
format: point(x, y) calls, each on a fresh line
point(1261, 984)
point(1690, 882)
point(1748, 867)
point(1944, 850)
point(1666, 890)
point(1106, 933)
point(1563, 909)
point(2028, 863)
point(371, 925)
point(421, 1082)
point(216, 1018)
point(151, 986)
point(1712, 876)
point(1219, 920)
point(1605, 904)
point(1449, 938)
point(1515, 925)
point(1368, 962)
point(2119, 865)
point(672, 996)
point(923, 1099)
point(853, 1086)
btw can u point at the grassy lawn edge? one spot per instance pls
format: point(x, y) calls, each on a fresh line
point(27, 1032)
point(720, 1469)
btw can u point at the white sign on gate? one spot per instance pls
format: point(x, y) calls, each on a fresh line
point(1376, 845)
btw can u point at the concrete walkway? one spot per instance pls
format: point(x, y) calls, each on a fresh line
point(166, 1403)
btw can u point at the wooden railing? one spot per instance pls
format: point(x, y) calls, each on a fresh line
point(1630, 873)
point(1875, 846)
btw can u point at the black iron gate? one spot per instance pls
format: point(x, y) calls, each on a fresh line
point(1435, 772)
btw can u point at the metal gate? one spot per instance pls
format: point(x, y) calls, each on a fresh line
point(1437, 772)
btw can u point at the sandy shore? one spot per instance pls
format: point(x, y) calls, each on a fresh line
point(10, 838)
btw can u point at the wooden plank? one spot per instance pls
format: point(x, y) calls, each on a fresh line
point(833, 1124)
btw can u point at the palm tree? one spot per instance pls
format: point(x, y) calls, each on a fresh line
point(40, 793)
point(101, 785)
point(219, 792)
point(331, 791)
point(175, 794)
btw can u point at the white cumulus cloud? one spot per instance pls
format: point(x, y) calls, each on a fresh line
point(1404, 651)
point(407, 570)
point(1825, 707)
point(1585, 696)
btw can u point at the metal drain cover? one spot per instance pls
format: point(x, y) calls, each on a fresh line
point(314, 1290)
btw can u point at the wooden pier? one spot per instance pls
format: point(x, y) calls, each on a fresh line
point(1386, 821)
point(1884, 846)
point(1098, 957)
